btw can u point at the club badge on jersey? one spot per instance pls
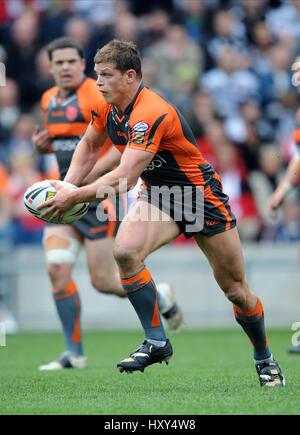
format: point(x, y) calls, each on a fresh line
point(139, 132)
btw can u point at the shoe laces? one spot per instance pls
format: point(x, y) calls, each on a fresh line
point(143, 348)
point(269, 371)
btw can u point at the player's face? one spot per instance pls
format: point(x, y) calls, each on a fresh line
point(112, 83)
point(67, 68)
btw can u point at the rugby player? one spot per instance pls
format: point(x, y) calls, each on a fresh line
point(66, 110)
point(157, 145)
point(289, 182)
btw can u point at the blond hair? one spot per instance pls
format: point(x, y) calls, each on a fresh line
point(123, 54)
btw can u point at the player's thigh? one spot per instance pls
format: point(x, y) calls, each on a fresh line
point(61, 244)
point(224, 253)
point(143, 230)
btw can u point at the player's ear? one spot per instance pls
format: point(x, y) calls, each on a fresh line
point(83, 64)
point(131, 76)
point(51, 69)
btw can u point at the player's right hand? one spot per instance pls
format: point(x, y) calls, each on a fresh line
point(41, 140)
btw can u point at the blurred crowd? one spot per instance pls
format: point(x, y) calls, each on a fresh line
point(226, 64)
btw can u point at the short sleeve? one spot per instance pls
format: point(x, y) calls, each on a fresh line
point(3, 180)
point(43, 105)
point(296, 137)
point(147, 131)
point(45, 101)
point(99, 113)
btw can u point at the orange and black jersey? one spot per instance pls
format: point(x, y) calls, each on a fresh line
point(296, 134)
point(152, 124)
point(67, 119)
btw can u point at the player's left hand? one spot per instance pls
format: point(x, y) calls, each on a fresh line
point(59, 204)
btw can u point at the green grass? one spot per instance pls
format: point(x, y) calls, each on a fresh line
point(211, 372)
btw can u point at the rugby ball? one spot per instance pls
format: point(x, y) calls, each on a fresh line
point(43, 190)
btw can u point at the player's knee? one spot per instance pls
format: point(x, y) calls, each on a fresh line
point(59, 274)
point(126, 256)
point(60, 250)
point(100, 283)
point(235, 291)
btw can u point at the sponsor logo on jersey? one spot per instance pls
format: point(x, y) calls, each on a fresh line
point(211, 223)
point(121, 134)
point(65, 144)
point(155, 163)
point(139, 132)
point(57, 113)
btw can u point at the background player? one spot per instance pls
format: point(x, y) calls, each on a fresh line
point(290, 181)
point(155, 131)
point(66, 110)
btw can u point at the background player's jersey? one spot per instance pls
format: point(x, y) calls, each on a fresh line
point(151, 124)
point(296, 134)
point(66, 119)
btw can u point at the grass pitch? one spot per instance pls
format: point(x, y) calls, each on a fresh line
point(211, 372)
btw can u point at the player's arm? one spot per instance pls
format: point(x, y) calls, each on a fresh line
point(40, 137)
point(103, 165)
point(144, 143)
point(292, 175)
point(120, 180)
point(5, 203)
point(290, 181)
point(85, 156)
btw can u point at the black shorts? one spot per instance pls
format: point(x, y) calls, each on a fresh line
point(101, 221)
point(196, 210)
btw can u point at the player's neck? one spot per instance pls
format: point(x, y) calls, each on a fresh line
point(65, 92)
point(127, 98)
